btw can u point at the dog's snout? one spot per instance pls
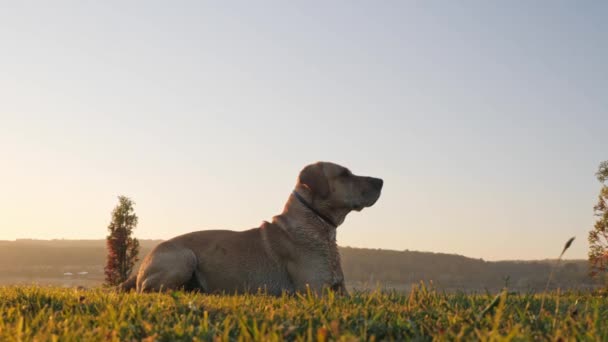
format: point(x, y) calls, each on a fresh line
point(377, 183)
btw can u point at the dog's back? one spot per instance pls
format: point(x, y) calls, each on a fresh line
point(218, 261)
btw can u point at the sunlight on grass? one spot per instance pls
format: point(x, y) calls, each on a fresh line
point(37, 313)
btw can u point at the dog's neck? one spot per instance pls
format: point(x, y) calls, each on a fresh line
point(298, 217)
point(316, 211)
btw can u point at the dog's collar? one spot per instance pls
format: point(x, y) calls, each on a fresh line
point(307, 205)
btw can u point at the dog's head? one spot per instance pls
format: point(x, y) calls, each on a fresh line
point(335, 189)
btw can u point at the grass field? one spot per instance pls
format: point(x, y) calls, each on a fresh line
point(43, 314)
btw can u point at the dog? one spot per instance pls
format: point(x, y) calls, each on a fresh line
point(294, 252)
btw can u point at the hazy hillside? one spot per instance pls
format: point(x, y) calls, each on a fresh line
point(80, 262)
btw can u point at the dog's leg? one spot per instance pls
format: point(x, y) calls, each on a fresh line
point(308, 278)
point(128, 284)
point(166, 268)
point(340, 289)
point(340, 286)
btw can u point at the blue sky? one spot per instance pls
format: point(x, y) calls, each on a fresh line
point(487, 120)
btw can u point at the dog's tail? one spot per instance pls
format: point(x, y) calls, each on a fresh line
point(128, 284)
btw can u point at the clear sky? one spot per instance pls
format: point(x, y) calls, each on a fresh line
point(486, 120)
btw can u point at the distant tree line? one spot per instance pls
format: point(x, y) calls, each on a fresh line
point(366, 267)
point(47, 261)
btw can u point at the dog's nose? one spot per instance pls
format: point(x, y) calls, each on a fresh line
point(377, 183)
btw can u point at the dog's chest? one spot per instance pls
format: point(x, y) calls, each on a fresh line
point(334, 260)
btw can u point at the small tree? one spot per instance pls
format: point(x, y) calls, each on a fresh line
point(122, 247)
point(598, 237)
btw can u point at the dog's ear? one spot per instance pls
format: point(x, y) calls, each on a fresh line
point(313, 177)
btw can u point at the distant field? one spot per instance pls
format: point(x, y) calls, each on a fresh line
point(71, 263)
point(46, 314)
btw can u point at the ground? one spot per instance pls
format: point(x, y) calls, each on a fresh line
point(41, 313)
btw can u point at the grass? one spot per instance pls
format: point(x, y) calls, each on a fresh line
point(53, 314)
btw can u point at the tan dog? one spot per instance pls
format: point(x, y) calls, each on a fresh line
point(298, 249)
